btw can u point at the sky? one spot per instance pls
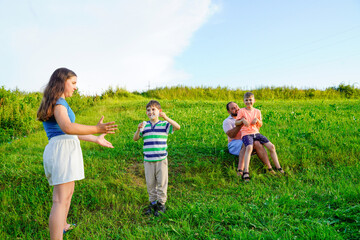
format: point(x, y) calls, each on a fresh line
point(145, 44)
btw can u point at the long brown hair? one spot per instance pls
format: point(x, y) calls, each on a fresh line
point(53, 91)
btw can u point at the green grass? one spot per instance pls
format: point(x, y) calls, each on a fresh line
point(318, 144)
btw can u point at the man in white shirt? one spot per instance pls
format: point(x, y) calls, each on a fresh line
point(232, 129)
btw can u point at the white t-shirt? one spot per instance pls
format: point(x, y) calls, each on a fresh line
point(228, 124)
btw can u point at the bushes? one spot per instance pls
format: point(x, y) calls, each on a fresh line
point(118, 93)
point(266, 93)
point(79, 103)
point(18, 111)
point(348, 91)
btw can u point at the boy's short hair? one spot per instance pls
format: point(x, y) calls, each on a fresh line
point(248, 95)
point(153, 103)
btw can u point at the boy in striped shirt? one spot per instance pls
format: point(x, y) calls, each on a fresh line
point(155, 134)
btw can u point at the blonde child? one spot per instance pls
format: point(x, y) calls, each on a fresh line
point(252, 120)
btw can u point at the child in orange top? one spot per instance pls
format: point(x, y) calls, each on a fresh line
point(251, 118)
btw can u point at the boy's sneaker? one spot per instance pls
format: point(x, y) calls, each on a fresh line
point(148, 210)
point(160, 209)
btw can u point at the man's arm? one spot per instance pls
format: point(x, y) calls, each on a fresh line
point(233, 132)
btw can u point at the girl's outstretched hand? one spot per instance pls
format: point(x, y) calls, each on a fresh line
point(108, 127)
point(103, 142)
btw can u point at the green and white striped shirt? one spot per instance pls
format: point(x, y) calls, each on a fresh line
point(155, 140)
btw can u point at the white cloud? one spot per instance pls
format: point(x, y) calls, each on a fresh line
point(112, 43)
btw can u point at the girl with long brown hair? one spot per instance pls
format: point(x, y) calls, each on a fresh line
point(63, 160)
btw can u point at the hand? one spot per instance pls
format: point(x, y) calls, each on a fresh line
point(103, 142)
point(108, 127)
point(239, 122)
point(246, 123)
point(141, 125)
point(162, 114)
point(254, 121)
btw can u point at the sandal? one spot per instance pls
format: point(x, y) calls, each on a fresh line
point(280, 170)
point(246, 178)
point(270, 170)
point(71, 227)
point(239, 172)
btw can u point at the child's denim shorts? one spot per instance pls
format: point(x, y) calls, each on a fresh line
point(249, 139)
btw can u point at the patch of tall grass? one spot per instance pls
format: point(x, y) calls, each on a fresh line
point(265, 93)
point(119, 93)
point(18, 112)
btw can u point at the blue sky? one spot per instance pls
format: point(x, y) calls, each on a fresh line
point(134, 44)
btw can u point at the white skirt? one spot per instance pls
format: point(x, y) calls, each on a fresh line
point(63, 160)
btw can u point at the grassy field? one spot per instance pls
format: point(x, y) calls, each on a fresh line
point(318, 144)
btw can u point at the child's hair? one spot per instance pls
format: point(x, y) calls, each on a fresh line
point(248, 95)
point(153, 103)
point(227, 105)
point(52, 92)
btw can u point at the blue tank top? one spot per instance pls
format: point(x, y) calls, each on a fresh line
point(51, 127)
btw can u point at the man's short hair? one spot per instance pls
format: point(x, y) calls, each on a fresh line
point(248, 95)
point(153, 103)
point(227, 105)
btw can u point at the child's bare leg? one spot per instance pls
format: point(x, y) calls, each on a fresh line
point(62, 194)
point(247, 156)
point(262, 154)
point(273, 155)
point(248, 151)
point(67, 226)
point(240, 168)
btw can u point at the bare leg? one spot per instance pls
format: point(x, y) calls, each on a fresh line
point(247, 156)
point(273, 155)
point(262, 154)
point(62, 194)
point(241, 160)
point(66, 225)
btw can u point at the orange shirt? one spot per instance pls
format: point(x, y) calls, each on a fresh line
point(249, 115)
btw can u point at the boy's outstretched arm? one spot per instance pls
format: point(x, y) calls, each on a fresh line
point(137, 133)
point(175, 125)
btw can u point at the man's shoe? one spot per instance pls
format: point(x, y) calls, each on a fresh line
point(148, 210)
point(160, 209)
